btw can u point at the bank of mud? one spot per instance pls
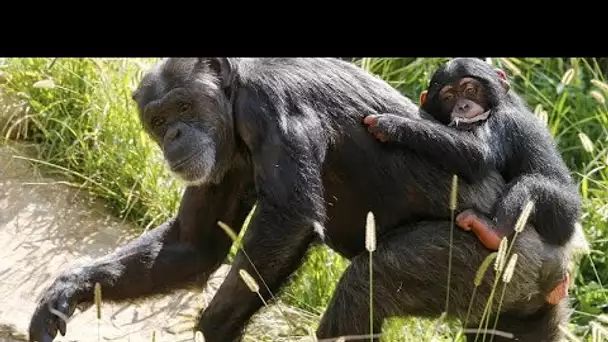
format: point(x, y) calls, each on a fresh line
point(46, 226)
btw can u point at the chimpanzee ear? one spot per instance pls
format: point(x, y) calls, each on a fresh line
point(222, 67)
point(423, 97)
point(502, 77)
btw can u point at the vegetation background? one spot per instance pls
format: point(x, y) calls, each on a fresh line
point(80, 113)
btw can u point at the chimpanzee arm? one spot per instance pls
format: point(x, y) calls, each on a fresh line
point(287, 163)
point(459, 151)
point(184, 250)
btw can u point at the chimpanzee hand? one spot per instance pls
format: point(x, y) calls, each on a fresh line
point(60, 297)
point(386, 127)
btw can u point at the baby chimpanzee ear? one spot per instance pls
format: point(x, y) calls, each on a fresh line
point(503, 79)
point(423, 97)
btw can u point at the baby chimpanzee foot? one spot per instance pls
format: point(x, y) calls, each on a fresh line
point(468, 220)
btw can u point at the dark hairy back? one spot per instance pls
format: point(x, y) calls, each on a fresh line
point(331, 88)
point(332, 97)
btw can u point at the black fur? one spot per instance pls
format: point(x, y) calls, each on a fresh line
point(512, 140)
point(289, 134)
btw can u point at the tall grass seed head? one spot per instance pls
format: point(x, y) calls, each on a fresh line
point(506, 277)
point(600, 84)
point(198, 336)
point(568, 77)
point(523, 217)
point(454, 193)
point(481, 271)
point(47, 84)
point(249, 281)
point(98, 299)
point(502, 252)
point(227, 230)
point(598, 97)
point(541, 114)
point(370, 232)
point(514, 69)
point(586, 142)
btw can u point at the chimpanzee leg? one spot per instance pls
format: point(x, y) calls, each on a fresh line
point(185, 250)
point(234, 303)
point(290, 203)
point(556, 207)
point(410, 273)
point(488, 234)
point(556, 210)
point(483, 228)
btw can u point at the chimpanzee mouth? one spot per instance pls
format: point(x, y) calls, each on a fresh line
point(464, 121)
point(180, 165)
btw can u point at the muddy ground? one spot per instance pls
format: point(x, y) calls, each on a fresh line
point(46, 226)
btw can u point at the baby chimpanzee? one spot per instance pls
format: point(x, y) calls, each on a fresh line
point(479, 124)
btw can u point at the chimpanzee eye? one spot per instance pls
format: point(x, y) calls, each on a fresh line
point(448, 96)
point(470, 90)
point(157, 121)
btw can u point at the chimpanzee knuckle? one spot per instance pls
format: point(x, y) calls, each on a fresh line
point(58, 298)
point(54, 315)
point(387, 122)
point(387, 127)
point(43, 326)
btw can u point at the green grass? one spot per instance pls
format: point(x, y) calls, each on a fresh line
point(82, 119)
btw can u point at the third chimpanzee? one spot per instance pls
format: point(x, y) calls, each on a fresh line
point(288, 133)
point(483, 125)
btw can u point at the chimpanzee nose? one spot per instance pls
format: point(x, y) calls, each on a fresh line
point(172, 133)
point(463, 107)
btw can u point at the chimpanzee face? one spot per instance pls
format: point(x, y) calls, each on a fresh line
point(185, 111)
point(464, 92)
point(464, 101)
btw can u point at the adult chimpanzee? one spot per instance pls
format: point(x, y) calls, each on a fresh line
point(289, 134)
point(492, 129)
